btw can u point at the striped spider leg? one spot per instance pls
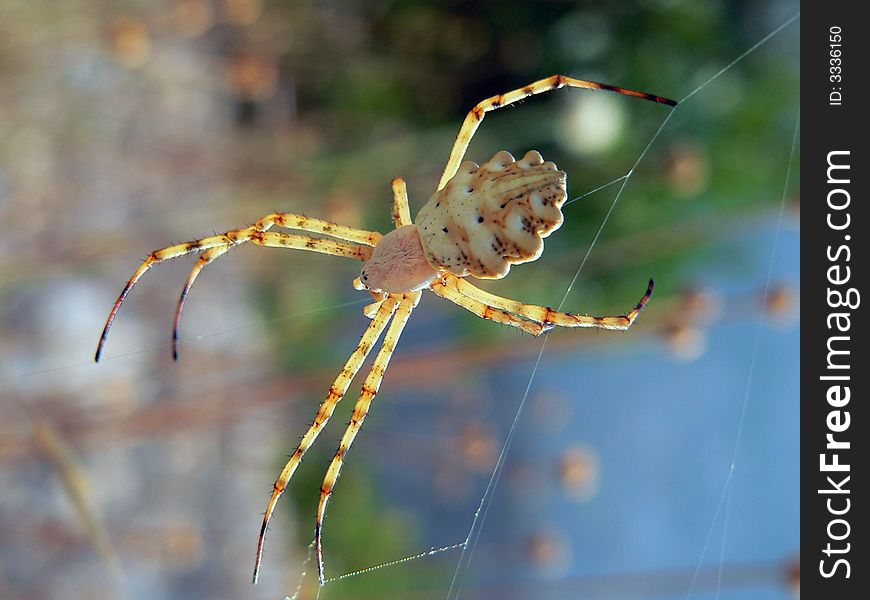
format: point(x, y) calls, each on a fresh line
point(393, 306)
point(214, 247)
point(459, 290)
point(475, 116)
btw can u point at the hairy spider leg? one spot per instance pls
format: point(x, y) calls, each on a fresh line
point(359, 249)
point(401, 217)
point(475, 116)
point(288, 221)
point(274, 239)
point(336, 393)
point(486, 311)
point(543, 314)
point(206, 257)
point(401, 212)
point(312, 225)
point(369, 390)
point(370, 310)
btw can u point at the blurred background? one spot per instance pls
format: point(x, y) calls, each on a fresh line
point(129, 126)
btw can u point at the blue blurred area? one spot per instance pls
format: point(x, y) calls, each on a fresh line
point(665, 432)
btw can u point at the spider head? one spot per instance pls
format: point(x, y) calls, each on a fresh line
point(361, 282)
point(373, 279)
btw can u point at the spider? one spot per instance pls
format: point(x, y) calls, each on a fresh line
point(480, 221)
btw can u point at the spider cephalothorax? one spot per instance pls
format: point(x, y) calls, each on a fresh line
point(398, 264)
point(480, 221)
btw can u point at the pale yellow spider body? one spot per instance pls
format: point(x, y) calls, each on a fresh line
point(480, 221)
point(486, 218)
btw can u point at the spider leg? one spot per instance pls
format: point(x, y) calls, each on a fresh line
point(472, 121)
point(401, 212)
point(312, 225)
point(229, 239)
point(485, 310)
point(369, 390)
point(546, 315)
point(336, 393)
point(288, 221)
point(274, 239)
point(156, 257)
point(208, 256)
point(370, 310)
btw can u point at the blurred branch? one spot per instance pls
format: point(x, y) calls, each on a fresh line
point(48, 442)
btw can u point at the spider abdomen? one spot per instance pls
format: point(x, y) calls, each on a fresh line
point(491, 216)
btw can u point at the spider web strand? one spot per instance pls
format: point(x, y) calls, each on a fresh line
point(485, 502)
point(752, 49)
point(725, 497)
point(392, 563)
point(303, 574)
point(598, 189)
point(757, 338)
